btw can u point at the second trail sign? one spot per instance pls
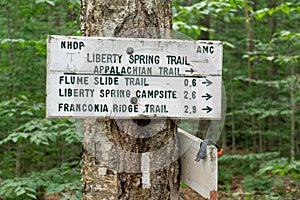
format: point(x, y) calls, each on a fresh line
point(125, 78)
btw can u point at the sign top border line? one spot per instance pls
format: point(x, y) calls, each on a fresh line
point(213, 42)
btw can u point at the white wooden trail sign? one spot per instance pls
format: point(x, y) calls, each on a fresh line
point(125, 78)
point(201, 176)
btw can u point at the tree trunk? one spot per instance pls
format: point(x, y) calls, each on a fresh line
point(204, 35)
point(292, 115)
point(249, 48)
point(233, 136)
point(129, 158)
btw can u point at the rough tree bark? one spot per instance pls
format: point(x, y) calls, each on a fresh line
point(129, 158)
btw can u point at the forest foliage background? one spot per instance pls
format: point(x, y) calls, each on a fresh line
point(40, 157)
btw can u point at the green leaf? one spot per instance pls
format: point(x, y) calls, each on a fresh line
point(285, 8)
point(183, 185)
point(270, 58)
point(60, 188)
point(52, 3)
point(2, 191)
point(15, 139)
point(33, 196)
point(27, 113)
point(30, 189)
point(19, 191)
point(294, 175)
point(271, 11)
point(24, 135)
point(261, 13)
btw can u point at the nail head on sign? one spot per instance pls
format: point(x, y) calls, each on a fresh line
point(133, 100)
point(129, 50)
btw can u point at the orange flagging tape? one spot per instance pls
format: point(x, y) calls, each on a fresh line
point(220, 152)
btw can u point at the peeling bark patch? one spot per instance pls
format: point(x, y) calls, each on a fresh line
point(101, 171)
point(146, 171)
